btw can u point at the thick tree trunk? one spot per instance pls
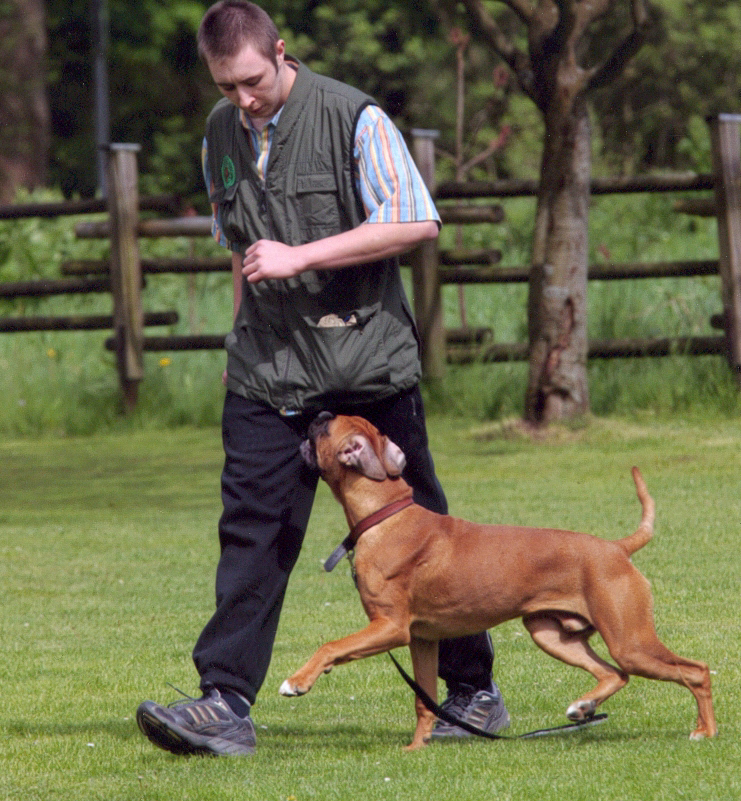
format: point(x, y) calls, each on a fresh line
point(24, 110)
point(557, 315)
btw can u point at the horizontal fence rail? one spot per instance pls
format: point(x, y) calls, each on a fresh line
point(508, 187)
point(99, 322)
point(601, 349)
point(171, 204)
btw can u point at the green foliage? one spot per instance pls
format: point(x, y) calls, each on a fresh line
point(689, 69)
point(160, 93)
point(108, 549)
point(652, 117)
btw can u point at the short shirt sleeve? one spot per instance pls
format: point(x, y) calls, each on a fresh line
point(390, 186)
point(216, 231)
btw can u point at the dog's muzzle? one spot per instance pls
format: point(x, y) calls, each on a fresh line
point(319, 428)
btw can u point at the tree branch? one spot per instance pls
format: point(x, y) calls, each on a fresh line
point(523, 9)
point(587, 13)
point(601, 75)
point(492, 33)
point(493, 147)
point(487, 26)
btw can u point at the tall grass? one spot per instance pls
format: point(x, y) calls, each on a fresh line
point(66, 382)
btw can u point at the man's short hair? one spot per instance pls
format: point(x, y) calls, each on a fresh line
point(230, 25)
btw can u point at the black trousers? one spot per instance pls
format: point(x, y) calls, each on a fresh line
point(267, 494)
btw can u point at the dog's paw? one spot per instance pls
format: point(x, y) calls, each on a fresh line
point(290, 690)
point(581, 710)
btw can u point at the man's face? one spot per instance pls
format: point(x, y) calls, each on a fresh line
point(252, 82)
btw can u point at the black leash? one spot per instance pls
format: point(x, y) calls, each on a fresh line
point(453, 720)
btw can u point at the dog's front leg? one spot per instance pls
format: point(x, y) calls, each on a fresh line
point(382, 634)
point(424, 662)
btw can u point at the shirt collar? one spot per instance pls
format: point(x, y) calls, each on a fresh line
point(247, 122)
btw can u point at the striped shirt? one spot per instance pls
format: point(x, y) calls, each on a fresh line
point(388, 182)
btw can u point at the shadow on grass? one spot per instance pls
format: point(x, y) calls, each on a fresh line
point(335, 737)
point(120, 729)
point(351, 737)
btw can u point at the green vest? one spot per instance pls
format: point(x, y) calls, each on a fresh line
point(326, 336)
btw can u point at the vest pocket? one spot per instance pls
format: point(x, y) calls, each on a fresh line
point(341, 356)
point(316, 198)
point(230, 221)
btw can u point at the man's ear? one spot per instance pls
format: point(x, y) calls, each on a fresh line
point(358, 454)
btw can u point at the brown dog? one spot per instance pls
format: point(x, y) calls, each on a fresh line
point(423, 577)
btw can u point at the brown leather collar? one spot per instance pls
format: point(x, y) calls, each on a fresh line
point(378, 517)
point(351, 539)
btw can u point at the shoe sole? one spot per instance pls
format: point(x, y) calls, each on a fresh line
point(182, 742)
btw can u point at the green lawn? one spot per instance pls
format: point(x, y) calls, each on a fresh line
point(108, 553)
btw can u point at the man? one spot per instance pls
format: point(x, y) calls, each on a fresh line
point(315, 193)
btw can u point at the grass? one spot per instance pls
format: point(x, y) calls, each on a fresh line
point(108, 553)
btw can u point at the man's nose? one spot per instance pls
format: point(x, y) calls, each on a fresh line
point(245, 97)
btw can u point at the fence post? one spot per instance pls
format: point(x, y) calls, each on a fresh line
point(425, 280)
point(126, 273)
point(724, 130)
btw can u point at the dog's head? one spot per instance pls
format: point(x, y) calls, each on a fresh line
point(336, 443)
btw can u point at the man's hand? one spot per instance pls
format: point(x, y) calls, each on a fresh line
point(268, 259)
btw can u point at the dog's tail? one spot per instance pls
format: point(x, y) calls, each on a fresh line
point(645, 530)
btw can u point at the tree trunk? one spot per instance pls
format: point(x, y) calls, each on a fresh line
point(557, 314)
point(24, 109)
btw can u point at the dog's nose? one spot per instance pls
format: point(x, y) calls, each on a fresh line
point(319, 427)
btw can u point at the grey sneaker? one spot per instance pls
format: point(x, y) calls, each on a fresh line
point(197, 726)
point(483, 708)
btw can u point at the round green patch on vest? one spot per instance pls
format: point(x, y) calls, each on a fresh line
point(228, 172)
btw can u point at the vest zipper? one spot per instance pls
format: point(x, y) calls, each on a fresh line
point(264, 203)
point(264, 211)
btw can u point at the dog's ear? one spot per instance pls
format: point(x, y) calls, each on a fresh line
point(358, 454)
point(393, 458)
point(308, 454)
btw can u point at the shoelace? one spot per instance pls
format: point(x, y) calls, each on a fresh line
point(179, 701)
point(457, 704)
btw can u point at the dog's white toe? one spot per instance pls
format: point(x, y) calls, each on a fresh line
point(286, 689)
point(581, 710)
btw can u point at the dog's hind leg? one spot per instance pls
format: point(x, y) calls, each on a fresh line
point(380, 635)
point(656, 661)
point(567, 638)
point(630, 635)
point(424, 662)
point(645, 655)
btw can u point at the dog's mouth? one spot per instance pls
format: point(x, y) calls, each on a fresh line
point(319, 428)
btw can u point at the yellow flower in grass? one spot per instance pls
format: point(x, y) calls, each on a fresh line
point(51, 353)
point(165, 361)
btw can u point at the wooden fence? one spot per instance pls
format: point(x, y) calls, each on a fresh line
point(726, 205)
point(123, 275)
